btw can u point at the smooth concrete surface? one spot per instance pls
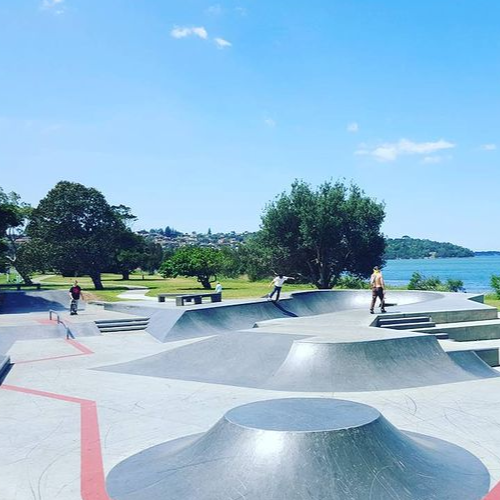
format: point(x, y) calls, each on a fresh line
point(65, 413)
point(301, 449)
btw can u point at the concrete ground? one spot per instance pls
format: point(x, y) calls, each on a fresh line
point(65, 425)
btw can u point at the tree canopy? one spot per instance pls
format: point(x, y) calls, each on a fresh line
point(13, 213)
point(203, 263)
point(414, 248)
point(319, 234)
point(78, 231)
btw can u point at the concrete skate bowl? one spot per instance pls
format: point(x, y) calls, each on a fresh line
point(301, 449)
point(327, 301)
point(12, 302)
point(298, 363)
point(199, 321)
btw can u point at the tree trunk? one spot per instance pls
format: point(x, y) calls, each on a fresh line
point(26, 278)
point(205, 282)
point(96, 279)
point(126, 275)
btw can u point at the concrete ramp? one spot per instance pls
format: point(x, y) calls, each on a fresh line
point(301, 449)
point(297, 363)
point(168, 323)
point(12, 302)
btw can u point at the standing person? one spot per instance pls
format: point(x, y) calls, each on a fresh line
point(75, 293)
point(278, 282)
point(377, 283)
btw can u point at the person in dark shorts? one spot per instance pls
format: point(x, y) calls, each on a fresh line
point(278, 283)
point(377, 283)
point(75, 293)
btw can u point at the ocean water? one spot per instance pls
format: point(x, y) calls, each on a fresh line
point(475, 272)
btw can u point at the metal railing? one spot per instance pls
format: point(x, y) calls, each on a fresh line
point(69, 335)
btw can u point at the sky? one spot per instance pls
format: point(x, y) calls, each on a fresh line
point(197, 114)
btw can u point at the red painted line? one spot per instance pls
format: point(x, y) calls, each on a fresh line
point(80, 347)
point(47, 359)
point(494, 494)
point(46, 321)
point(93, 483)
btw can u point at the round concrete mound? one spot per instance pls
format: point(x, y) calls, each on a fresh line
point(301, 449)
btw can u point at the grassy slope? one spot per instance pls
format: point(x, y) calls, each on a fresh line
point(114, 285)
point(233, 288)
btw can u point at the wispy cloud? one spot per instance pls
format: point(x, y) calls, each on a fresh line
point(215, 10)
point(57, 6)
point(353, 127)
point(200, 32)
point(221, 43)
point(488, 147)
point(270, 122)
point(184, 31)
point(405, 147)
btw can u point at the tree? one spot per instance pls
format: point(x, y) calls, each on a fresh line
point(152, 257)
point(78, 230)
point(13, 213)
point(320, 234)
point(420, 282)
point(203, 263)
point(131, 253)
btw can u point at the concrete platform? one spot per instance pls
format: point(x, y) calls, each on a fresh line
point(67, 420)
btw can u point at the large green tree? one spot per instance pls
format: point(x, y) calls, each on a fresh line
point(13, 213)
point(203, 263)
point(78, 231)
point(319, 234)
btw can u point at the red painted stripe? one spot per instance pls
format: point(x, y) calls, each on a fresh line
point(494, 494)
point(80, 347)
point(47, 359)
point(93, 484)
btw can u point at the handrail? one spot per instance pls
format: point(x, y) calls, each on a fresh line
point(69, 335)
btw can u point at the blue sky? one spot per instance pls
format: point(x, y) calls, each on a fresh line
point(197, 113)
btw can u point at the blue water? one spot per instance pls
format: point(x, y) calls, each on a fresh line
point(475, 272)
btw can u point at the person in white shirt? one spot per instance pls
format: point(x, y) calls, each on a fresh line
point(218, 287)
point(278, 282)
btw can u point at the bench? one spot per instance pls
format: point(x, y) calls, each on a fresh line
point(197, 298)
point(20, 285)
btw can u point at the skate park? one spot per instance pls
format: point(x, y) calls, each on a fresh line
point(311, 397)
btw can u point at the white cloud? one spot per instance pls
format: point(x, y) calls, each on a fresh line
point(221, 43)
point(270, 122)
point(184, 31)
point(241, 11)
point(215, 10)
point(353, 127)
point(391, 151)
point(57, 6)
point(488, 147)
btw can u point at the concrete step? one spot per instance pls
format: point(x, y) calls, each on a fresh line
point(123, 323)
point(410, 326)
point(126, 328)
point(438, 335)
point(119, 320)
point(398, 321)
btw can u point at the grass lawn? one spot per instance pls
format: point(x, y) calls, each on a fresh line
point(113, 286)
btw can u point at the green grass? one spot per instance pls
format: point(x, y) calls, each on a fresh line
point(234, 288)
point(492, 300)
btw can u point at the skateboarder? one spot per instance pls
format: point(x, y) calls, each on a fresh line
point(377, 283)
point(75, 293)
point(278, 282)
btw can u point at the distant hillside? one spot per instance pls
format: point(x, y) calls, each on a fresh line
point(412, 248)
point(487, 253)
